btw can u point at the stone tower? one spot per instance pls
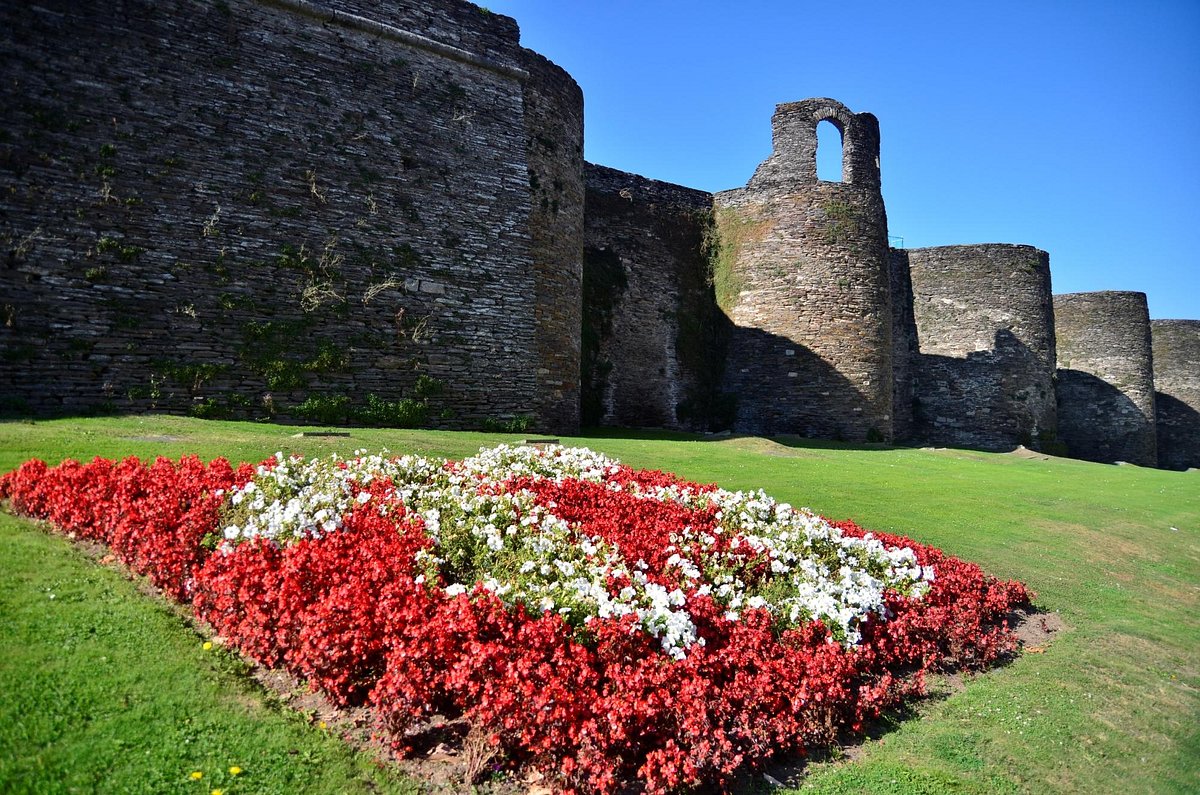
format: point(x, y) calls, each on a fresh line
point(802, 271)
point(1177, 401)
point(1105, 377)
point(983, 374)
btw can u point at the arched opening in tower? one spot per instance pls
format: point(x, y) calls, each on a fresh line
point(829, 152)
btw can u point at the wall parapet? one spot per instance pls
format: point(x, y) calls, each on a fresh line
point(328, 12)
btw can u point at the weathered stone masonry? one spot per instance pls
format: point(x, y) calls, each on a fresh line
point(232, 204)
point(1105, 377)
point(804, 269)
point(1177, 400)
point(652, 330)
point(983, 372)
point(308, 209)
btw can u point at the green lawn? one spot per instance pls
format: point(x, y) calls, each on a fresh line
point(105, 689)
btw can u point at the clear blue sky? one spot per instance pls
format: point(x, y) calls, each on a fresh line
point(1070, 126)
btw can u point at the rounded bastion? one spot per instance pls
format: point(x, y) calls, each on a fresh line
point(1105, 377)
point(1176, 345)
point(984, 370)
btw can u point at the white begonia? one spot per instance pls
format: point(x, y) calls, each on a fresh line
point(523, 553)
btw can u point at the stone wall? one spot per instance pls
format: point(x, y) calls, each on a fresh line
point(554, 131)
point(904, 344)
point(1176, 345)
point(253, 207)
point(332, 210)
point(1105, 380)
point(652, 333)
point(984, 371)
point(802, 272)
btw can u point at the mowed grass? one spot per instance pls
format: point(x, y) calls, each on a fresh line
point(106, 689)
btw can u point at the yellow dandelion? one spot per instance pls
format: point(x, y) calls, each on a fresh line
point(207, 645)
point(235, 771)
point(197, 775)
point(215, 792)
point(323, 725)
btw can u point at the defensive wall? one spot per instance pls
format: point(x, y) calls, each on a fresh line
point(283, 207)
point(1176, 345)
point(347, 211)
point(1105, 377)
point(983, 370)
point(653, 334)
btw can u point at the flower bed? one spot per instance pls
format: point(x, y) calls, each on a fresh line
point(599, 622)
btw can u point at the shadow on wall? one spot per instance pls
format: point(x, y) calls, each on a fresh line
point(981, 401)
point(1098, 422)
point(1178, 433)
point(653, 338)
point(785, 388)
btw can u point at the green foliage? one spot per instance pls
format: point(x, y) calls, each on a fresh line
point(403, 413)
point(124, 253)
point(842, 223)
point(732, 229)
point(232, 301)
point(408, 412)
point(209, 409)
point(189, 375)
point(604, 281)
point(702, 329)
point(518, 424)
point(427, 387)
point(325, 409)
point(284, 352)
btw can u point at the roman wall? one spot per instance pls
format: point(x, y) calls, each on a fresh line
point(904, 344)
point(1176, 345)
point(802, 272)
point(554, 137)
point(339, 210)
point(983, 375)
point(279, 208)
point(652, 334)
point(1105, 379)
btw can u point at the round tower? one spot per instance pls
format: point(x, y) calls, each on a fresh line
point(984, 370)
point(1176, 346)
point(801, 268)
point(1105, 377)
point(553, 105)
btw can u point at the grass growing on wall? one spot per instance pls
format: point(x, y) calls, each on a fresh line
point(732, 230)
point(1111, 705)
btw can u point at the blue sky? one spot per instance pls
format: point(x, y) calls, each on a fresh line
point(1070, 126)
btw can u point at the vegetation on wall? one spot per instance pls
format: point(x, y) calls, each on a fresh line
point(702, 328)
point(604, 282)
point(841, 224)
point(411, 411)
point(729, 233)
